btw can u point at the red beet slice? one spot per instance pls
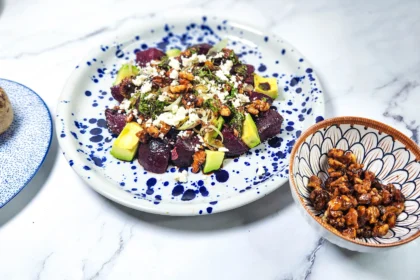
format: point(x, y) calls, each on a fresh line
point(257, 96)
point(268, 124)
point(144, 57)
point(183, 151)
point(234, 144)
point(115, 121)
point(154, 156)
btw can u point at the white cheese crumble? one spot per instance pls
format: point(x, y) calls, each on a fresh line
point(226, 67)
point(182, 176)
point(174, 74)
point(183, 133)
point(174, 63)
point(173, 118)
point(219, 55)
point(174, 83)
point(149, 123)
point(150, 96)
point(201, 58)
point(221, 75)
point(240, 100)
point(189, 61)
point(223, 149)
point(260, 171)
point(164, 96)
point(161, 135)
point(146, 87)
point(139, 121)
point(125, 105)
point(139, 80)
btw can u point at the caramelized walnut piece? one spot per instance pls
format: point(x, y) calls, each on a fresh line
point(333, 163)
point(380, 230)
point(252, 110)
point(351, 218)
point(164, 128)
point(225, 111)
point(186, 75)
point(372, 214)
point(314, 182)
point(349, 232)
point(199, 158)
point(178, 89)
point(142, 135)
point(335, 153)
point(364, 187)
point(389, 218)
point(319, 198)
point(153, 131)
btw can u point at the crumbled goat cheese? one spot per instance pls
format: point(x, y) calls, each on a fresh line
point(125, 104)
point(188, 61)
point(163, 96)
point(182, 176)
point(219, 55)
point(146, 87)
point(173, 118)
point(223, 149)
point(221, 75)
point(149, 123)
point(150, 96)
point(174, 63)
point(174, 83)
point(183, 133)
point(260, 171)
point(174, 74)
point(201, 58)
point(226, 67)
point(240, 100)
point(139, 121)
point(139, 80)
point(135, 113)
point(161, 135)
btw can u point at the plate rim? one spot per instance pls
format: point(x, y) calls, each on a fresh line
point(49, 140)
point(126, 199)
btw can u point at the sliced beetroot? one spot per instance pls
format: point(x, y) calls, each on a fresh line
point(115, 121)
point(234, 144)
point(144, 57)
point(154, 156)
point(249, 79)
point(115, 91)
point(257, 96)
point(268, 124)
point(183, 151)
point(171, 136)
point(201, 48)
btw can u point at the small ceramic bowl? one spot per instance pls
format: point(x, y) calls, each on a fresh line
point(392, 156)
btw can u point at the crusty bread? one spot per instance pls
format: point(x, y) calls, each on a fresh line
point(6, 112)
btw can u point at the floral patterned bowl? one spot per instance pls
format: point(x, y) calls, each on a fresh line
point(392, 156)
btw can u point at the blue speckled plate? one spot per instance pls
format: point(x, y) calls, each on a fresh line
point(86, 141)
point(24, 146)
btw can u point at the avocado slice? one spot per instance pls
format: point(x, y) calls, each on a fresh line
point(267, 86)
point(173, 52)
point(250, 132)
point(214, 160)
point(126, 71)
point(125, 146)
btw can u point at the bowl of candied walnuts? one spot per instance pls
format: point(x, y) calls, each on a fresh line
point(357, 181)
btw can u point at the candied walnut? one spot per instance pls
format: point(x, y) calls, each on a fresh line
point(335, 214)
point(338, 181)
point(314, 182)
point(364, 198)
point(353, 200)
point(386, 197)
point(328, 183)
point(252, 110)
point(186, 75)
point(369, 176)
point(160, 82)
point(334, 173)
point(199, 158)
point(142, 135)
point(225, 111)
point(338, 223)
point(335, 153)
point(348, 158)
point(342, 203)
point(362, 216)
point(390, 188)
point(372, 214)
point(186, 53)
point(349, 232)
point(351, 218)
point(382, 209)
point(261, 105)
point(399, 207)
point(199, 101)
point(127, 87)
point(376, 197)
point(344, 188)
point(129, 118)
point(365, 232)
point(178, 89)
point(153, 131)
point(209, 64)
point(188, 100)
point(164, 128)
point(364, 187)
point(319, 198)
point(398, 196)
point(333, 163)
point(380, 230)
point(389, 218)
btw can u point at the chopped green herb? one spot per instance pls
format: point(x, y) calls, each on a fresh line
point(164, 63)
point(237, 120)
point(151, 108)
point(241, 70)
point(211, 104)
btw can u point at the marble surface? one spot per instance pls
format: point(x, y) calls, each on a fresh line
point(366, 54)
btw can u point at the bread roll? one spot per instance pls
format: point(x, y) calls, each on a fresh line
point(6, 112)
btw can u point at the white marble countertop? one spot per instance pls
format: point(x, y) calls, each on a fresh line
point(367, 56)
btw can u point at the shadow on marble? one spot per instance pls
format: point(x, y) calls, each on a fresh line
point(247, 214)
point(22, 199)
point(1, 6)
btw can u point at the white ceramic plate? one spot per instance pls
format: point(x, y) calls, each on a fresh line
point(86, 142)
point(24, 146)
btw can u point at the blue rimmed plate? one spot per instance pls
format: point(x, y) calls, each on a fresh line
point(86, 142)
point(24, 146)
